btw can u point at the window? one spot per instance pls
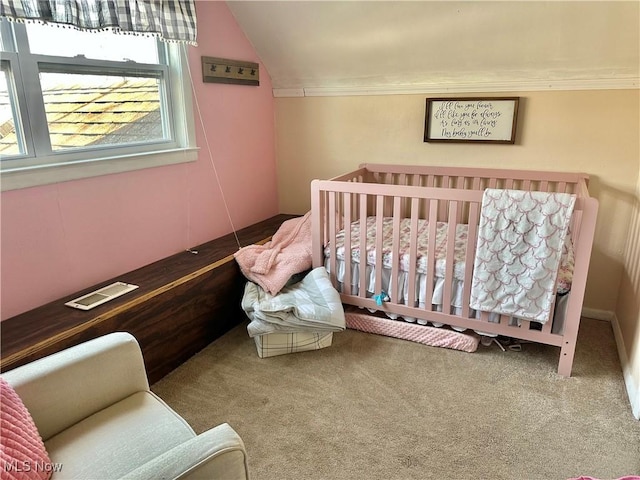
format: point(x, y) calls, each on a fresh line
point(91, 102)
point(11, 140)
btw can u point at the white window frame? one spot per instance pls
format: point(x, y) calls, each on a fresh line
point(40, 166)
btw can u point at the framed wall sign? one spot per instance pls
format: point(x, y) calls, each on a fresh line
point(471, 119)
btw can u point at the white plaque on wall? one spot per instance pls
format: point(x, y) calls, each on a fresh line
point(471, 119)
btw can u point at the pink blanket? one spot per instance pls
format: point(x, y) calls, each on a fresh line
point(436, 337)
point(289, 252)
point(23, 455)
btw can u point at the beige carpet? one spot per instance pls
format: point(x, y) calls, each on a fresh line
point(371, 407)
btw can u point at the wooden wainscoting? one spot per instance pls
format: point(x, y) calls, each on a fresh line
point(184, 303)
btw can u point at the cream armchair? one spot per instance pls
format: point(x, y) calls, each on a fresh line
point(93, 408)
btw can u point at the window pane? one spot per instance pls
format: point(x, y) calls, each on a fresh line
point(5, 28)
point(67, 42)
point(91, 110)
point(9, 144)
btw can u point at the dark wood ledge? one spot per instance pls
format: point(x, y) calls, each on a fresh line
point(184, 303)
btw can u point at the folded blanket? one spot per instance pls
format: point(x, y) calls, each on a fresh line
point(311, 306)
point(520, 240)
point(436, 337)
point(272, 264)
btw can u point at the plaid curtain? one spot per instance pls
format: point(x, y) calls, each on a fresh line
point(171, 20)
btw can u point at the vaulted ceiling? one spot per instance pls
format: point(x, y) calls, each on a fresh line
point(309, 45)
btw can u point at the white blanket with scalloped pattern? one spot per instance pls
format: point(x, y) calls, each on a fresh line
point(520, 240)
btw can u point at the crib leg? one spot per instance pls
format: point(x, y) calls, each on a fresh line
point(567, 351)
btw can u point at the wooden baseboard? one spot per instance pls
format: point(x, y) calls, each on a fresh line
point(184, 303)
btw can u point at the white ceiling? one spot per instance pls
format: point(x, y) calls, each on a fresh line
point(380, 44)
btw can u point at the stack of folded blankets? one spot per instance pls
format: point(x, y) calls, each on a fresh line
point(288, 314)
point(301, 317)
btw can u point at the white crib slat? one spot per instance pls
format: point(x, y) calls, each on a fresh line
point(431, 255)
point(362, 289)
point(379, 252)
point(450, 256)
point(413, 253)
point(346, 281)
point(395, 251)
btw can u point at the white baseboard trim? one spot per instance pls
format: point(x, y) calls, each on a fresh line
point(596, 314)
point(633, 390)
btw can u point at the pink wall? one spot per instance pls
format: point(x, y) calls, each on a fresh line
point(50, 249)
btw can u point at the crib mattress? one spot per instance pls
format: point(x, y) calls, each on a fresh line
point(565, 271)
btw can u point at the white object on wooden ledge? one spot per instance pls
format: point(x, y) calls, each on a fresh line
point(100, 296)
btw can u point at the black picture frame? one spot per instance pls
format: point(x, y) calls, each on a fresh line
point(471, 119)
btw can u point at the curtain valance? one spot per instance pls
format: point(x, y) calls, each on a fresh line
point(171, 20)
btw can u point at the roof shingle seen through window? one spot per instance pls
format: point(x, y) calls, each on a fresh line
point(105, 114)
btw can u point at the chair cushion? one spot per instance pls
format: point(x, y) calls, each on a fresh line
point(118, 439)
point(22, 454)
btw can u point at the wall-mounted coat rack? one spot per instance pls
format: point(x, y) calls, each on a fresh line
point(222, 70)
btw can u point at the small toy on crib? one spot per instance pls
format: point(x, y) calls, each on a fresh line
point(381, 297)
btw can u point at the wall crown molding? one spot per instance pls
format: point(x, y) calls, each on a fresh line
point(621, 83)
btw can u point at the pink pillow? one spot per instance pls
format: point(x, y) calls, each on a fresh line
point(627, 477)
point(22, 452)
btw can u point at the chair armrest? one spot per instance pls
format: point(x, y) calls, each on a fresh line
point(61, 389)
point(218, 453)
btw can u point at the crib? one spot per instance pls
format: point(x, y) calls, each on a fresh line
point(387, 207)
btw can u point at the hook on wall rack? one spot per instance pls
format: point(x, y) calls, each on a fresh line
point(222, 70)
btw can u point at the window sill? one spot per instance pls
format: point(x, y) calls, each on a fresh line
point(24, 177)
